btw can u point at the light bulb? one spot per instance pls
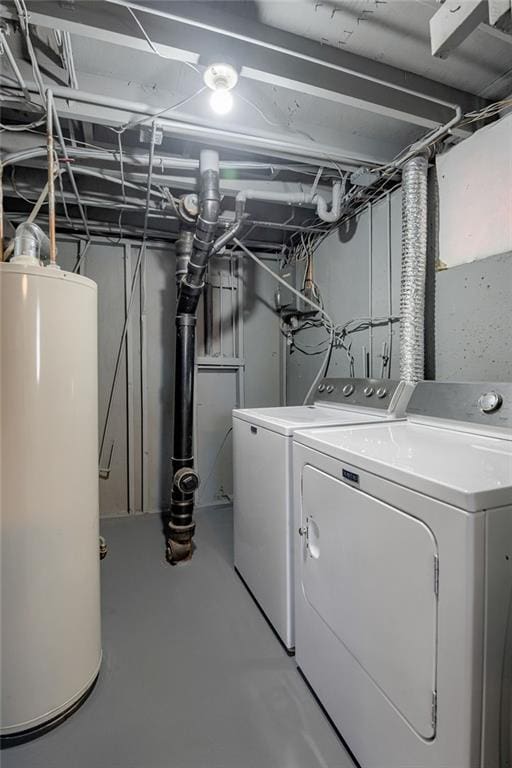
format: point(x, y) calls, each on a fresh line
point(221, 101)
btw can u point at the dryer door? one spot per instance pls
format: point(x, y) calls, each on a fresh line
point(369, 571)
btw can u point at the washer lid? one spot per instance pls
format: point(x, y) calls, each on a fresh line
point(285, 420)
point(466, 470)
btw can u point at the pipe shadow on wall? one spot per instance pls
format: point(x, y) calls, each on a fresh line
point(167, 306)
point(347, 229)
point(251, 291)
point(430, 277)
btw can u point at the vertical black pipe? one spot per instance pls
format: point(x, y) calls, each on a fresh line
point(182, 495)
point(185, 480)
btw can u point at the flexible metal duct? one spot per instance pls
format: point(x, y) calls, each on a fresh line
point(30, 244)
point(414, 257)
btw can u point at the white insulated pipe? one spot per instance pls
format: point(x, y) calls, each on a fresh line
point(334, 213)
point(414, 259)
point(208, 160)
point(296, 198)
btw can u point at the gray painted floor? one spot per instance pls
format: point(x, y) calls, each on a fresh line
point(193, 677)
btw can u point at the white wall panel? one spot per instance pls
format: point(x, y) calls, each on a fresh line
point(148, 398)
point(475, 196)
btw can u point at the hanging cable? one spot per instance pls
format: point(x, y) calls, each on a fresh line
point(136, 271)
point(305, 299)
point(145, 118)
point(25, 28)
point(153, 46)
point(81, 258)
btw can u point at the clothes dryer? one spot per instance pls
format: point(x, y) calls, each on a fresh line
point(404, 579)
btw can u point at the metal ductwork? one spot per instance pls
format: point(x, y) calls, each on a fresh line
point(414, 258)
point(31, 244)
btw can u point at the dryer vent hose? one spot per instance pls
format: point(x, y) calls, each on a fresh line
point(414, 258)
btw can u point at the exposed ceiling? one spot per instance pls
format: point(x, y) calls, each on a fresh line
point(322, 84)
point(394, 32)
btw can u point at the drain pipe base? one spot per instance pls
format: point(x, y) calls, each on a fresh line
point(180, 544)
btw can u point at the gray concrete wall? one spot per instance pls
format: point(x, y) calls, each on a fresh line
point(469, 307)
point(473, 321)
point(140, 426)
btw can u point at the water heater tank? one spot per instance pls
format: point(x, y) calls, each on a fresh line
point(50, 650)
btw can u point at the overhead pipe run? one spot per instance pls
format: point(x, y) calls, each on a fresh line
point(414, 259)
point(20, 147)
point(51, 179)
point(195, 254)
point(296, 198)
point(309, 153)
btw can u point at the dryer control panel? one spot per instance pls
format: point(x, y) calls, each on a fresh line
point(487, 403)
point(383, 395)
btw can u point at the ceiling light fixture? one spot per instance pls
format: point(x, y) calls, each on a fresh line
point(221, 79)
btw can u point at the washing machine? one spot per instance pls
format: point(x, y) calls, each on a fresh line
point(262, 463)
point(404, 579)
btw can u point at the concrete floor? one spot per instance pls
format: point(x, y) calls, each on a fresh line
point(192, 676)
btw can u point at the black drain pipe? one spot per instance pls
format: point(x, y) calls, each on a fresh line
point(185, 480)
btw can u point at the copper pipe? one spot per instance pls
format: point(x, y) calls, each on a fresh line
point(309, 283)
point(1, 214)
point(51, 178)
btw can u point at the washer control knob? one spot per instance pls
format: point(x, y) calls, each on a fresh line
point(381, 392)
point(321, 387)
point(330, 388)
point(368, 391)
point(347, 390)
point(490, 402)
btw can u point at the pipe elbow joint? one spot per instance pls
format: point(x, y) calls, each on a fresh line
point(334, 213)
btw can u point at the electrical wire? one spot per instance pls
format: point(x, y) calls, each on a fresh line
point(136, 271)
point(62, 197)
point(25, 28)
point(123, 190)
point(491, 110)
point(303, 298)
point(145, 118)
point(204, 484)
point(79, 262)
point(153, 46)
point(281, 280)
point(19, 128)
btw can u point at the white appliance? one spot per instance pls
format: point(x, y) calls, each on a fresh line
point(404, 579)
point(50, 571)
point(263, 510)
